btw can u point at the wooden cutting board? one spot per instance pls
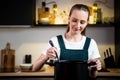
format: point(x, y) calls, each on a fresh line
point(8, 59)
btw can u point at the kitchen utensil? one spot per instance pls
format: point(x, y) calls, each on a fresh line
point(112, 59)
point(67, 70)
point(52, 61)
point(105, 55)
point(26, 67)
point(106, 60)
point(109, 59)
point(107, 52)
point(8, 59)
point(51, 43)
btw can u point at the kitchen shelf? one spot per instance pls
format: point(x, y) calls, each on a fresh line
point(54, 25)
point(14, 26)
point(50, 25)
point(90, 25)
point(101, 25)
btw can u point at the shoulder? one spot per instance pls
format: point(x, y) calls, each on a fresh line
point(91, 39)
point(93, 43)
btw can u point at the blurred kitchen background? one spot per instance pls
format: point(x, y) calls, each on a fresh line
point(31, 39)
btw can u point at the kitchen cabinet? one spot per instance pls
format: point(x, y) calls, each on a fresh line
point(19, 12)
point(45, 14)
point(117, 32)
point(16, 12)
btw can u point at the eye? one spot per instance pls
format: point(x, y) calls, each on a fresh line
point(74, 20)
point(82, 22)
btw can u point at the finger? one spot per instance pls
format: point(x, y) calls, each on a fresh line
point(98, 64)
point(91, 60)
point(51, 55)
point(93, 67)
point(99, 67)
point(54, 51)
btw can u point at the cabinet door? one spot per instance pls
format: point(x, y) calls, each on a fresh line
point(117, 32)
point(16, 12)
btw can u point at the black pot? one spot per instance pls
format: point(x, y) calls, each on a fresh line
point(71, 70)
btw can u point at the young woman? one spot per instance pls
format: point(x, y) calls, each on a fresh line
point(73, 45)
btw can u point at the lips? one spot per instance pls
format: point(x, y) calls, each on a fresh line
point(77, 29)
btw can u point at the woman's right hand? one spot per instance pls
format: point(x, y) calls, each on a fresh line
point(51, 52)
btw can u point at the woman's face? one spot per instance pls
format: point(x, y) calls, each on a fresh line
point(77, 21)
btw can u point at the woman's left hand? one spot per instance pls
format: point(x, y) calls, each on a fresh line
point(93, 68)
point(97, 64)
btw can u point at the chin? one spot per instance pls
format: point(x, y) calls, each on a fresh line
point(77, 32)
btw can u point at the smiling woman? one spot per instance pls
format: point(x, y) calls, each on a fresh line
point(73, 45)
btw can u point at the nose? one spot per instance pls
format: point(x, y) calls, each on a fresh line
point(78, 24)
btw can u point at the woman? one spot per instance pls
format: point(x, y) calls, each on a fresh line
point(73, 45)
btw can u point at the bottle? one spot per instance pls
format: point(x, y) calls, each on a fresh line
point(95, 8)
point(41, 11)
point(27, 58)
point(99, 16)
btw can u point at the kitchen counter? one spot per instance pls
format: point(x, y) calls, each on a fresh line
point(49, 72)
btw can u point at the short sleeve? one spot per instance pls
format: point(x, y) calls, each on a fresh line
point(93, 50)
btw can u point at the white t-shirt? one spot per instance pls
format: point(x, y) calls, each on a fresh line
point(93, 51)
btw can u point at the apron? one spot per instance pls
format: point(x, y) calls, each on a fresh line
point(68, 68)
point(71, 54)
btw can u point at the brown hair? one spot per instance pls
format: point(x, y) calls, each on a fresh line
point(79, 7)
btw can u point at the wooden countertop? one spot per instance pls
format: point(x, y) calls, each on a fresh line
point(49, 72)
point(46, 72)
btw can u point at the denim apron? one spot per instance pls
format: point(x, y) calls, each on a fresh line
point(71, 54)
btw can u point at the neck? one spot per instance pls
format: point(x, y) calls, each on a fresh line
point(73, 37)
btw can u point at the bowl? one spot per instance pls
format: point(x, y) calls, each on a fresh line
point(26, 67)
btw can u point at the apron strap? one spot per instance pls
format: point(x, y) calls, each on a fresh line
point(87, 43)
point(61, 42)
point(62, 45)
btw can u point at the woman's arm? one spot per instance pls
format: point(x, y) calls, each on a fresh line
point(39, 63)
point(50, 53)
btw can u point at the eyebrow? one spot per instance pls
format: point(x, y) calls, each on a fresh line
point(78, 19)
